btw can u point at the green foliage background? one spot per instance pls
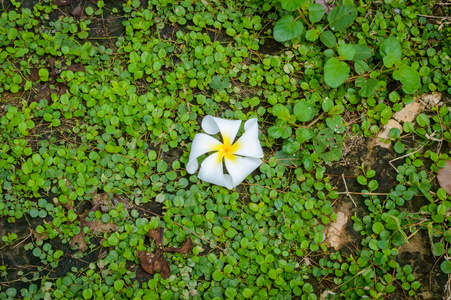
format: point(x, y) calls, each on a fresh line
point(84, 115)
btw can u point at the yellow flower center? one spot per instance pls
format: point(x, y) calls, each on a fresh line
point(227, 150)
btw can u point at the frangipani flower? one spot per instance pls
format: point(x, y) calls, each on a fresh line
point(240, 158)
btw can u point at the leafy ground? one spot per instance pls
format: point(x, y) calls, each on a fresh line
point(100, 102)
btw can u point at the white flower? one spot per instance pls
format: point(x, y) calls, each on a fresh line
point(240, 158)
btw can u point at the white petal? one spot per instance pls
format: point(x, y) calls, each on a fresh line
point(211, 171)
point(240, 167)
point(228, 128)
point(202, 143)
point(249, 144)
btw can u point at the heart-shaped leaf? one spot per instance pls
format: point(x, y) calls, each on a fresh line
point(391, 51)
point(361, 52)
point(291, 5)
point(316, 12)
point(287, 28)
point(341, 17)
point(410, 79)
point(368, 87)
point(335, 72)
point(303, 111)
point(328, 38)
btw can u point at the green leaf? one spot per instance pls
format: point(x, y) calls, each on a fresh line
point(378, 227)
point(87, 294)
point(219, 83)
point(114, 120)
point(346, 51)
point(335, 123)
point(410, 79)
point(328, 39)
point(446, 267)
point(23, 128)
point(361, 67)
point(368, 87)
point(391, 51)
point(327, 104)
point(303, 111)
point(291, 5)
point(27, 167)
point(37, 159)
point(247, 293)
point(316, 12)
point(130, 172)
point(281, 111)
point(341, 17)
point(399, 147)
point(89, 10)
point(118, 284)
point(422, 120)
point(438, 249)
point(335, 72)
point(287, 28)
point(361, 52)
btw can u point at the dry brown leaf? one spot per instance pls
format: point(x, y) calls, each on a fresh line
point(63, 2)
point(80, 240)
point(77, 68)
point(444, 177)
point(77, 11)
point(152, 262)
point(157, 236)
point(102, 201)
point(40, 236)
point(186, 248)
point(34, 74)
point(98, 227)
point(62, 87)
point(328, 6)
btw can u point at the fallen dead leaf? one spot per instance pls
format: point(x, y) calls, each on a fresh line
point(63, 3)
point(157, 236)
point(335, 233)
point(328, 6)
point(152, 262)
point(34, 74)
point(77, 12)
point(80, 240)
point(186, 248)
point(98, 227)
point(444, 177)
point(409, 112)
point(382, 136)
point(77, 68)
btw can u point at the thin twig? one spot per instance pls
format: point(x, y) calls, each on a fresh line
point(435, 17)
point(401, 157)
point(26, 238)
point(347, 191)
point(357, 193)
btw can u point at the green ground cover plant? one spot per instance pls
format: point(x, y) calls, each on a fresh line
point(100, 102)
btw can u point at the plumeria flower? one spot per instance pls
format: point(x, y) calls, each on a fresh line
point(240, 158)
